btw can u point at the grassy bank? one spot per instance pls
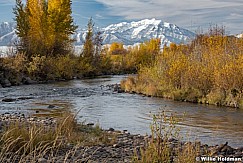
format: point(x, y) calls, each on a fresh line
point(209, 70)
point(23, 141)
point(219, 97)
point(165, 144)
point(65, 140)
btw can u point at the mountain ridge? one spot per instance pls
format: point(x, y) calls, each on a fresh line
point(129, 33)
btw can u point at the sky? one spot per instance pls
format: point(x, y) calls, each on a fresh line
point(190, 14)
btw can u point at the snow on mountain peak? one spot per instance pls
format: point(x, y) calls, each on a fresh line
point(144, 30)
point(7, 33)
point(146, 22)
point(129, 33)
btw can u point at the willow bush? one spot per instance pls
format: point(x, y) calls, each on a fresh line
point(209, 70)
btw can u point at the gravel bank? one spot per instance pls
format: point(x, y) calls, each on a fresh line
point(119, 151)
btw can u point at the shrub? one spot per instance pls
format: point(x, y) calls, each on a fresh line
point(65, 66)
point(161, 147)
point(128, 84)
point(202, 71)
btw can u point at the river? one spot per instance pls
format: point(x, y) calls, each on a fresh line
point(122, 111)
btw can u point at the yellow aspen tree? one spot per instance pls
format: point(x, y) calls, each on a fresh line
point(61, 23)
point(44, 26)
point(35, 34)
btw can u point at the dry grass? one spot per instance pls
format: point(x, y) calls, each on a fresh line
point(160, 148)
point(128, 84)
point(188, 153)
point(21, 142)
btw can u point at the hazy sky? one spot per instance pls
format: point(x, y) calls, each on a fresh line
point(190, 14)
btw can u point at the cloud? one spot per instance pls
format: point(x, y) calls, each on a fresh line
point(99, 16)
point(190, 14)
point(187, 13)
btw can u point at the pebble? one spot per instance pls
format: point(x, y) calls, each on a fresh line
point(20, 117)
point(42, 160)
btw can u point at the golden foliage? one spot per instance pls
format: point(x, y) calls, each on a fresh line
point(196, 72)
point(117, 48)
point(44, 27)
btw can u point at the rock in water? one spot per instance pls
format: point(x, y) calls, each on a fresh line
point(8, 100)
point(51, 106)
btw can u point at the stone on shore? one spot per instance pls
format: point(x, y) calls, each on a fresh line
point(5, 83)
point(27, 80)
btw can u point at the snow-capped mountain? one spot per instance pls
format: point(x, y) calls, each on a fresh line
point(127, 33)
point(7, 33)
point(140, 31)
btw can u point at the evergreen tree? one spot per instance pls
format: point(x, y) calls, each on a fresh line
point(90, 56)
point(98, 48)
point(88, 48)
point(92, 45)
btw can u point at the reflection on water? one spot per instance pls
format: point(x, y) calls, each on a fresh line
point(212, 125)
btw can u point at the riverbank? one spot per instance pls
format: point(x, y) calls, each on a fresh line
point(148, 87)
point(111, 145)
point(18, 69)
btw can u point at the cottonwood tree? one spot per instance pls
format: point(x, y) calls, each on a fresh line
point(44, 26)
point(61, 24)
point(22, 26)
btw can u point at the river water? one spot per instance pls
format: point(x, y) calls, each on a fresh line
point(96, 103)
